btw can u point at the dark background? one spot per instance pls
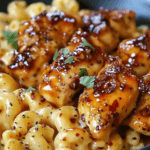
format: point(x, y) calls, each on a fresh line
point(141, 7)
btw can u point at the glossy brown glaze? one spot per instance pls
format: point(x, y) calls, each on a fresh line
point(142, 42)
point(22, 60)
point(61, 80)
point(38, 39)
point(95, 22)
point(135, 53)
point(108, 25)
point(111, 100)
point(80, 52)
point(109, 77)
point(55, 17)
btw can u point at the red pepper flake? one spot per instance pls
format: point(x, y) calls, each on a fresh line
point(64, 139)
point(113, 106)
point(100, 147)
point(110, 144)
point(60, 114)
point(73, 120)
point(20, 134)
point(134, 138)
point(25, 133)
point(76, 145)
point(88, 100)
point(77, 134)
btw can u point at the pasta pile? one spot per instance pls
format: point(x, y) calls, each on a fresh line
point(31, 118)
point(31, 122)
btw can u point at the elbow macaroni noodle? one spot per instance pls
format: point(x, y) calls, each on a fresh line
point(16, 10)
point(27, 120)
point(30, 132)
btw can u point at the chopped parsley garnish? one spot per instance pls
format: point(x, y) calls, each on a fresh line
point(11, 38)
point(30, 89)
point(86, 43)
point(15, 45)
point(65, 51)
point(83, 72)
point(55, 55)
point(69, 60)
point(87, 81)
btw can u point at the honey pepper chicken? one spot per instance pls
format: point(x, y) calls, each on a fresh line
point(139, 119)
point(38, 39)
point(110, 25)
point(112, 99)
point(61, 80)
point(135, 53)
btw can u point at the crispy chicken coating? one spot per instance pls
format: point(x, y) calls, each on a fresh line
point(135, 53)
point(112, 99)
point(38, 39)
point(139, 120)
point(108, 25)
point(60, 82)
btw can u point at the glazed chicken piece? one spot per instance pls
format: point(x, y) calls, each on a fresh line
point(112, 99)
point(61, 79)
point(38, 39)
point(108, 25)
point(139, 120)
point(135, 53)
point(122, 21)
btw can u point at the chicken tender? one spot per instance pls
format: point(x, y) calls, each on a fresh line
point(135, 53)
point(112, 99)
point(38, 39)
point(60, 82)
point(108, 25)
point(139, 120)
